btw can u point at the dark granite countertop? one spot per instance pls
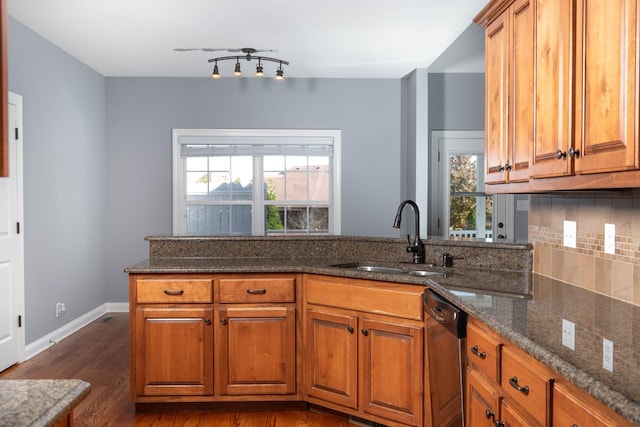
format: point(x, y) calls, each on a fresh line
point(36, 403)
point(525, 308)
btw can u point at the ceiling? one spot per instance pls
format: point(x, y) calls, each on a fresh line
point(324, 39)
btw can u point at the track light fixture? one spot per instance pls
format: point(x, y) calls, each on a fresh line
point(249, 56)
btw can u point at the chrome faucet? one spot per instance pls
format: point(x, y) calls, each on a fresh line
point(417, 247)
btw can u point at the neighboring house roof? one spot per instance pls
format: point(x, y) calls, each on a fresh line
point(292, 184)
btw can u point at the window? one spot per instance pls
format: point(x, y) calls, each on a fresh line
point(461, 209)
point(256, 182)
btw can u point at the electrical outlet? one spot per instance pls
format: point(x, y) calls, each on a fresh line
point(60, 309)
point(568, 334)
point(610, 239)
point(569, 234)
point(607, 354)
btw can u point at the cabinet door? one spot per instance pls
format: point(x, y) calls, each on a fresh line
point(511, 417)
point(174, 351)
point(553, 88)
point(483, 401)
point(571, 409)
point(521, 101)
point(331, 356)
point(391, 374)
point(256, 350)
point(509, 94)
point(606, 85)
point(496, 107)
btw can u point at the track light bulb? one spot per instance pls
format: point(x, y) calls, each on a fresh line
point(280, 73)
point(259, 70)
point(216, 73)
point(237, 71)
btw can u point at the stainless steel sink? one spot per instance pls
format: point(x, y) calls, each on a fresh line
point(376, 268)
point(379, 269)
point(422, 273)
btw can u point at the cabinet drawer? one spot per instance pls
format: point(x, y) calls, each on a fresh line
point(483, 352)
point(525, 382)
point(257, 290)
point(174, 290)
point(363, 295)
point(573, 407)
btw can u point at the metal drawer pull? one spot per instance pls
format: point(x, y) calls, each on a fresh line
point(475, 351)
point(350, 329)
point(256, 291)
point(174, 293)
point(490, 414)
point(514, 383)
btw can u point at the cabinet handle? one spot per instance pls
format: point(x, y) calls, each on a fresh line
point(350, 329)
point(514, 383)
point(574, 425)
point(207, 321)
point(480, 354)
point(489, 414)
point(561, 155)
point(501, 168)
point(223, 321)
point(507, 167)
point(256, 291)
point(174, 293)
point(499, 424)
point(573, 152)
point(365, 332)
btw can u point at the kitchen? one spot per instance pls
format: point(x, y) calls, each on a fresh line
point(121, 203)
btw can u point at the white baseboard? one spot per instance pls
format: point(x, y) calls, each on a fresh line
point(61, 333)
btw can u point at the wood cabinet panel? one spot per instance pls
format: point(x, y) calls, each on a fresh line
point(606, 85)
point(174, 351)
point(553, 88)
point(483, 351)
point(174, 291)
point(483, 401)
point(496, 107)
point(331, 352)
point(509, 85)
point(364, 295)
point(255, 348)
point(525, 382)
point(391, 370)
point(572, 407)
point(257, 289)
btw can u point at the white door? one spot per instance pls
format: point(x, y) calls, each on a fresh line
point(11, 246)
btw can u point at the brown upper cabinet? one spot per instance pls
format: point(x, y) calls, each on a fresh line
point(561, 81)
point(509, 94)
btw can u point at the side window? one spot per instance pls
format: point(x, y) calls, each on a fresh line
point(253, 182)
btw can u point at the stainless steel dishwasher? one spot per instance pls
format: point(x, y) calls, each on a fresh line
point(445, 350)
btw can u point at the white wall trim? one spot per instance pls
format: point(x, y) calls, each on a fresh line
point(61, 333)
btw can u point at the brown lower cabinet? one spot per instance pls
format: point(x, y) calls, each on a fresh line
point(359, 362)
point(360, 347)
point(507, 387)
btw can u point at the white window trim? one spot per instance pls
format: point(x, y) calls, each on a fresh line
point(335, 212)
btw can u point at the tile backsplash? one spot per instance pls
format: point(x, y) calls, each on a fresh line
point(587, 265)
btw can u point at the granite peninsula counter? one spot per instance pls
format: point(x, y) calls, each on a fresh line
point(525, 308)
point(39, 403)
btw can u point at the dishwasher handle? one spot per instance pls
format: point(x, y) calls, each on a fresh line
point(445, 313)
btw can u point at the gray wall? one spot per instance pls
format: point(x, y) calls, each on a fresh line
point(98, 158)
point(65, 180)
point(142, 111)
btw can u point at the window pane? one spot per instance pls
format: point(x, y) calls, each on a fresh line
point(464, 172)
point(218, 220)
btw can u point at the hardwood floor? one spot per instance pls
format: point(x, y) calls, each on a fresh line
point(99, 354)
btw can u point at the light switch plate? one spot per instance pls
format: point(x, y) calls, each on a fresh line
point(522, 205)
point(568, 334)
point(569, 234)
point(610, 239)
point(607, 354)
